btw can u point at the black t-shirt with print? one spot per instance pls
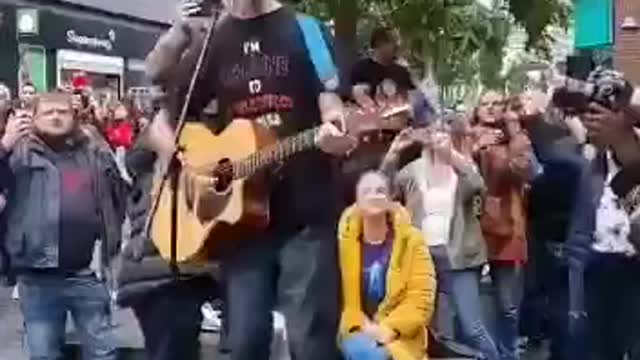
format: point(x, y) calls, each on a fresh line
point(367, 71)
point(79, 219)
point(260, 69)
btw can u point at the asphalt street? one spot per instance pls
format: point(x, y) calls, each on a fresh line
point(130, 338)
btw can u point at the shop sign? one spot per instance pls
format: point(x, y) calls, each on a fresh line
point(28, 21)
point(106, 36)
point(92, 42)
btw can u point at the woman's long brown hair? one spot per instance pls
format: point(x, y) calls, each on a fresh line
point(461, 135)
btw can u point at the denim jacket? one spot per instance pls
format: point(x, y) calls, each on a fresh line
point(34, 190)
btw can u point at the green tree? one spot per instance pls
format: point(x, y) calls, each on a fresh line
point(537, 20)
point(457, 44)
point(426, 21)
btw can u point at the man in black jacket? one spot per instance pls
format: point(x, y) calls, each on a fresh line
point(64, 194)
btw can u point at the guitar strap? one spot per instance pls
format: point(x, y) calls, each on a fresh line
point(319, 52)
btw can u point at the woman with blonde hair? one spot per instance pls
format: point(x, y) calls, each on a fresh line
point(443, 191)
point(388, 278)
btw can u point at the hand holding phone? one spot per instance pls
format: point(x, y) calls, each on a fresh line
point(19, 125)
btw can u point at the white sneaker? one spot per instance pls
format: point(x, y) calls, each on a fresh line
point(15, 295)
point(210, 318)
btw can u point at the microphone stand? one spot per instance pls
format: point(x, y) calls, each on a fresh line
point(174, 168)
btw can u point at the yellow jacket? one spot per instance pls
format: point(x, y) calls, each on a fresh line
point(410, 295)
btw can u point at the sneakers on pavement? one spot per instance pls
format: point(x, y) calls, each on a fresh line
point(210, 318)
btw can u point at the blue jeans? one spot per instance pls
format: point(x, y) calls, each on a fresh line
point(508, 282)
point(294, 274)
point(362, 347)
point(45, 301)
point(465, 298)
point(442, 322)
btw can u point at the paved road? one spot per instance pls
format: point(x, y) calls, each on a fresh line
point(10, 327)
point(131, 340)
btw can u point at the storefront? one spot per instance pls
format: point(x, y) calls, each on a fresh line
point(54, 42)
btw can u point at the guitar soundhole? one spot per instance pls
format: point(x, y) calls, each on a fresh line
point(223, 174)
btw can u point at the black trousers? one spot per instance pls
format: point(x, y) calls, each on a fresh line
point(170, 319)
point(612, 298)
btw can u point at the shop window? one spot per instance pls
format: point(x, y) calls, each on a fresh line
point(33, 66)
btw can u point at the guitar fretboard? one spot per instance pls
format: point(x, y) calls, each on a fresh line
point(274, 153)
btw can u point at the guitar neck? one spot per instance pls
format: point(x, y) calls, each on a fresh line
point(275, 153)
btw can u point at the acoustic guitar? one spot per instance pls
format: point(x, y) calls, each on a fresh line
point(223, 191)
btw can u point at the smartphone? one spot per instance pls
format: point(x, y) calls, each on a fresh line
point(18, 104)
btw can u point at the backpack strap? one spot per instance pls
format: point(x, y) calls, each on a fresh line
point(318, 49)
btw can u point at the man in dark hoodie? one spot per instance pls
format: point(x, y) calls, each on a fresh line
point(551, 202)
point(259, 53)
point(63, 195)
point(5, 106)
point(611, 262)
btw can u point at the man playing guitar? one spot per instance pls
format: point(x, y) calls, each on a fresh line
point(260, 68)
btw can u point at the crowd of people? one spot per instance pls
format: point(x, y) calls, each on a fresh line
point(383, 245)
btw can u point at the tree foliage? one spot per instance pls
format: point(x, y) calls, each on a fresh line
point(450, 41)
point(537, 19)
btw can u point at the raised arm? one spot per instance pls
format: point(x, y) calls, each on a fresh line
point(391, 162)
point(520, 153)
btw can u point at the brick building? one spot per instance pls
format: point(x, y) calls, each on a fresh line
point(627, 38)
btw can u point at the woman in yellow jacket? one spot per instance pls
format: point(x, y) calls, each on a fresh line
point(388, 280)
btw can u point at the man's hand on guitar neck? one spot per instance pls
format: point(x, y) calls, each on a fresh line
point(332, 137)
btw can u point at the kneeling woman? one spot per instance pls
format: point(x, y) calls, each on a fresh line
point(388, 278)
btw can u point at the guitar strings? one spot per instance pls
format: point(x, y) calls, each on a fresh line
point(284, 148)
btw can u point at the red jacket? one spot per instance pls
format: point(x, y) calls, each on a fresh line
point(506, 169)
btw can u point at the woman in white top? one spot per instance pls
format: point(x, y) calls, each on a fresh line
point(443, 191)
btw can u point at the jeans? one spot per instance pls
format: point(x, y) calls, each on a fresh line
point(442, 322)
point(362, 347)
point(612, 298)
point(298, 274)
point(465, 298)
point(555, 276)
point(508, 281)
point(45, 301)
point(166, 335)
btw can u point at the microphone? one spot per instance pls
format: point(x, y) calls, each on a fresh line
point(200, 8)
